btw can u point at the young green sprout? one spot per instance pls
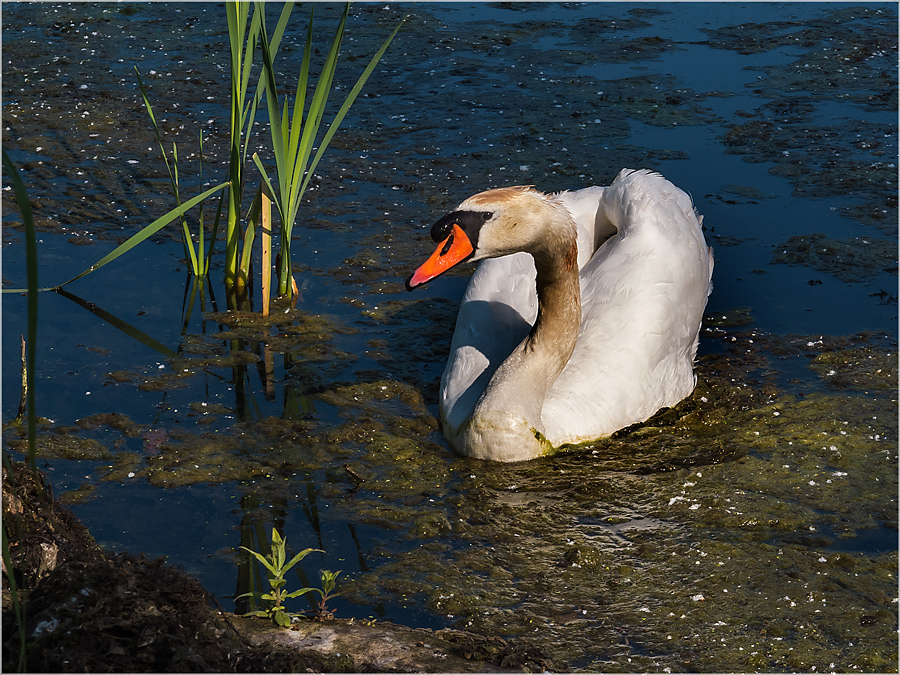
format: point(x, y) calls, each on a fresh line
point(276, 568)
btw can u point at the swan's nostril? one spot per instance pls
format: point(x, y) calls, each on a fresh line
point(447, 246)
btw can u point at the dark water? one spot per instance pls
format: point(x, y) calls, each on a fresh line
point(779, 119)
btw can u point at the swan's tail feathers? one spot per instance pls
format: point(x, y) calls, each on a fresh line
point(711, 265)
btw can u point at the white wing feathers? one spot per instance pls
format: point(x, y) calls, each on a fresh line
point(641, 294)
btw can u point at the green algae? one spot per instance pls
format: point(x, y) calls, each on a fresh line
point(861, 369)
point(681, 560)
point(123, 469)
point(851, 259)
point(204, 408)
point(114, 420)
point(63, 446)
point(737, 316)
point(860, 42)
point(748, 192)
point(845, 58)
point(166, 381)
point(720, 531)
point(83, 493)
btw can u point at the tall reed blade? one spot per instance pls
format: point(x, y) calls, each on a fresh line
point(172, 169)
point(293, 135)
point(32, 289)
point(236, 14)
point(242, 43)
point(348, 102)
point(215, 232)
point(134, 240)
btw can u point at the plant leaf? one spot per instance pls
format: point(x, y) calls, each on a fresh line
point(263, 560)
point(136, 239)
point(300, 96)
point(300, 556)
point(351, 98)
point(269, 189)
point(251, 594)
point(159, 140)
point(314, 118)
point(302, 591)
point(329, 579)
point(258, 612)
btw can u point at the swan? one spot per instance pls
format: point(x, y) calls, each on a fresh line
point(582, 317)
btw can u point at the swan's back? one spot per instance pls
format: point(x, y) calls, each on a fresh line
point(643, 295)
point(644, 275)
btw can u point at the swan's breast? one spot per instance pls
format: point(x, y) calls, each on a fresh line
point(496, 313)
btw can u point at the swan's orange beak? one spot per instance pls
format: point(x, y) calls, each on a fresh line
point(453, 250)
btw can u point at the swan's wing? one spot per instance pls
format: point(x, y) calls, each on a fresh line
point(496, 313)
point(643, 295)
point(593, 226)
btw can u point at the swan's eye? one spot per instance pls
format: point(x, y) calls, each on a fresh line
point(487, 215)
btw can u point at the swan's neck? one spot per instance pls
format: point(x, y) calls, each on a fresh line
point(510, 407)
point(555, 330)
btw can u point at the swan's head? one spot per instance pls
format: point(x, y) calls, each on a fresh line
point(488, 225)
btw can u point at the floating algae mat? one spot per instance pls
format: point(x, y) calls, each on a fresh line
point(752, 524)
point(751, 528)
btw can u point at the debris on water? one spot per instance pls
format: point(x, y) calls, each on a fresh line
point(737, 316)
point(850, 259)
point(153, 439)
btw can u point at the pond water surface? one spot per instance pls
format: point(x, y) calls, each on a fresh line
point(753, 527)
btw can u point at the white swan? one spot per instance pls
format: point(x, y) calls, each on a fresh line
point(583, 317)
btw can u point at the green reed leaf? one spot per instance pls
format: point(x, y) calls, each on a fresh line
point(145, 233)
point(32, 303)
point(351, 98)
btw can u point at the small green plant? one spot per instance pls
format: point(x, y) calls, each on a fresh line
point(329, 580)
point(276, 567)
